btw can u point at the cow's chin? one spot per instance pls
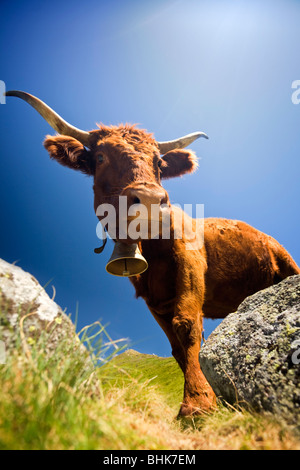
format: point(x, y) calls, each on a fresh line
point(145, 230)
point(127, 241)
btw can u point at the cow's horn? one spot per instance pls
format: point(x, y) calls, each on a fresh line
point(180, 143)
point(55, 121)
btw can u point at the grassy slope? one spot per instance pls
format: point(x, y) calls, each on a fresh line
point(227, 428)
point(163, 374)
point(63, 402)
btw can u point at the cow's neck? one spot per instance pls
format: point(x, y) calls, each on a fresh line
point(157, 284)
point(157, 248)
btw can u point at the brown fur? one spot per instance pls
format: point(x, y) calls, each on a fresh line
point(180, 286)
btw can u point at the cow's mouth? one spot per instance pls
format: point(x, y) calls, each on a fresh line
point(135, 228)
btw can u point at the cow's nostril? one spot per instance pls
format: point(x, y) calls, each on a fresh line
point(136, 200)
point(164, 200)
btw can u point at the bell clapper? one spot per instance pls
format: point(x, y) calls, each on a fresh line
point(126, 260)
point(126, 272)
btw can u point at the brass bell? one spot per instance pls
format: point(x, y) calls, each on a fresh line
point(126, 260)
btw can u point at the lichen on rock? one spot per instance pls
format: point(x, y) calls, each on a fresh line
point(251, 357)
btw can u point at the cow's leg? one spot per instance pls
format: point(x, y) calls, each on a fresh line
point(165, 322)
point(198, 394)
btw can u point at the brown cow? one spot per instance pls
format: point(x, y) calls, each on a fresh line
point(180, 286)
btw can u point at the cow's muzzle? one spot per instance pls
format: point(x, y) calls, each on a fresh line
point(146, 194)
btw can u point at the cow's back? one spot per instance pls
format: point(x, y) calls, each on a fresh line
point(240, 261)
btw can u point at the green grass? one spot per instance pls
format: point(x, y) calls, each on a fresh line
point(163, 374)
point(64, 400)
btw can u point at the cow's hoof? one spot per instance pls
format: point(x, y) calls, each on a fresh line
point(188, 411)
point(204, 407)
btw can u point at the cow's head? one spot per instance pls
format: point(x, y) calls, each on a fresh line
point(124, 160)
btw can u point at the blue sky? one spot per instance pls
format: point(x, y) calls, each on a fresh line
point(223, 67)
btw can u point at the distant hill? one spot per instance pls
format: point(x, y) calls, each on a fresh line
point(163, 373)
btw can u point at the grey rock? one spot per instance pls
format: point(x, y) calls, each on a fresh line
point(253, 357)
point(26, 311)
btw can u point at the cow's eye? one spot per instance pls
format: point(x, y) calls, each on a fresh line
point(100, 158)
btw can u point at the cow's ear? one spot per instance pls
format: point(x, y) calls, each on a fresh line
point(178, 162)
point(70, 152)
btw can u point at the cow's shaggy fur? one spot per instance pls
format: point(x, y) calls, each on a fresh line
point(180, 286)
